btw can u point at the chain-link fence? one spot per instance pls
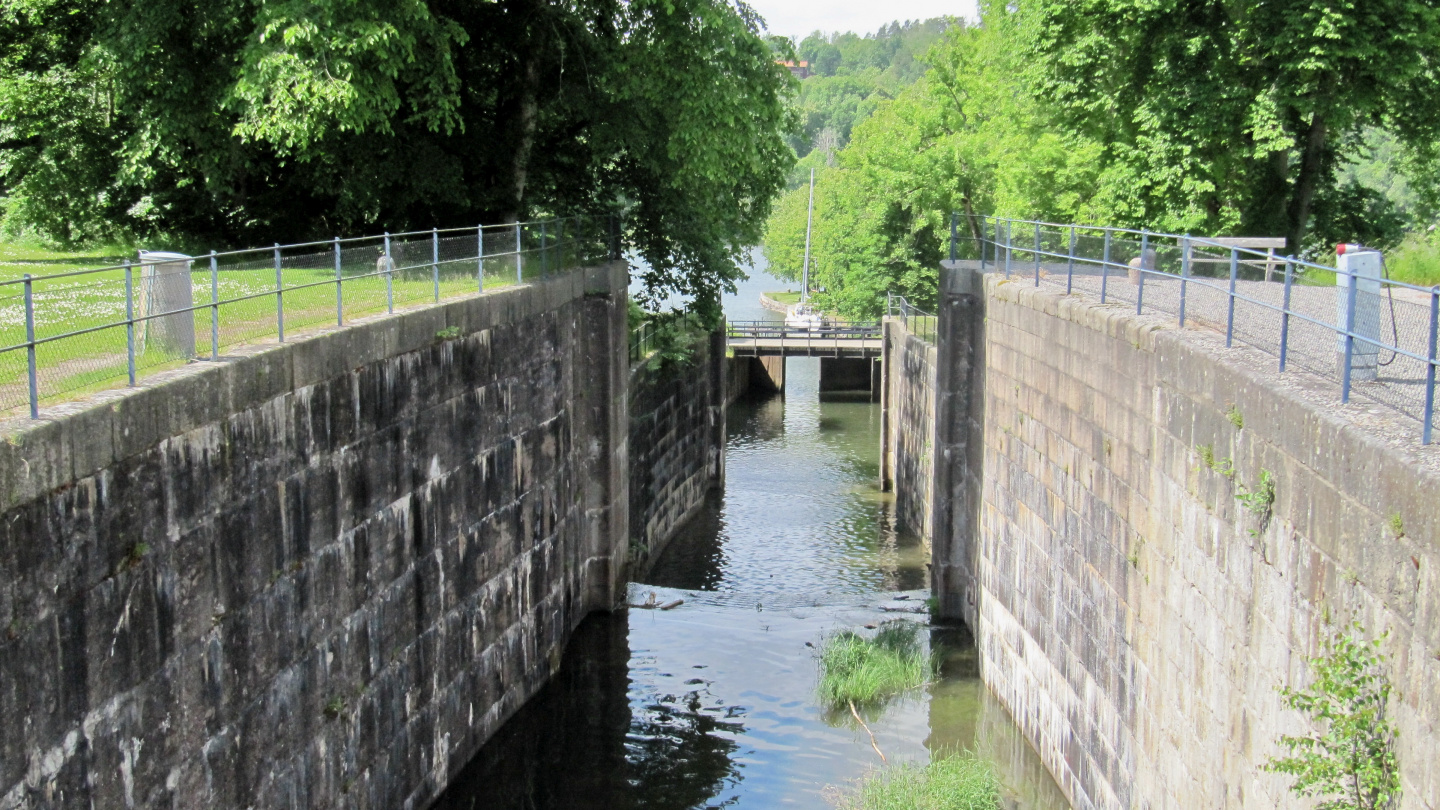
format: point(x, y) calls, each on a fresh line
point(1370, 335)
point(918, 322)
point(68, 333)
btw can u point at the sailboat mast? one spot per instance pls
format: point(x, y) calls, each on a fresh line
point(809, 220)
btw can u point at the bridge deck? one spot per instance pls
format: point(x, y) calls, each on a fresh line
point(835, 339)
point(798, 346)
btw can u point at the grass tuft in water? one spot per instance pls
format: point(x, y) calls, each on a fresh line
point(951, 783)
point(854, 669)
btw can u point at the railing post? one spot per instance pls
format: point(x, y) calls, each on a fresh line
point(130, 323)
point(389, 277)
point(954, 235)
point(982, 243)
point(1430, 368)
point(1009, 251)
point(1037, 254)
point(1230, 313)
point(214, 309)
point(279, 295)
point(480, 258)
point(339, 291)
point(1105, 268)
point(1140, 291)
point(1070, 263)
point(435, 260)
point(544, 251)
point(30, 350)
point(519, 259)
point(1285, 313)
point(1349, 339)
point(1185, 248)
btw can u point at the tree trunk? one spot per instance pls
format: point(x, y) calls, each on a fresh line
point(525, 120)
point(1312, 162)
point(971, 219)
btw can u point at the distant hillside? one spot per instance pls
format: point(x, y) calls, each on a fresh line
point(850, 75)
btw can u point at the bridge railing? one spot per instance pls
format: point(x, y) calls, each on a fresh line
point(918, 322)
point(1375, 339)
point(66, 333)
point(856, 329)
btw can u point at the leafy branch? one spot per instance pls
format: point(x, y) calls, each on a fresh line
point(1260, 500)
point(1350, 757)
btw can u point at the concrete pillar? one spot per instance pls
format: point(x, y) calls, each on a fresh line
point(767, 374)
point(737, 378)
point(959, 439)
point(887, 438)
point(718, 369)
point(845, 374)
point(602, 428)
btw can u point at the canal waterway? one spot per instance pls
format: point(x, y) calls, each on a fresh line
point(711, 704)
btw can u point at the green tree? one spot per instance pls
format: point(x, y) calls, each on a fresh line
point(1350, 757)
point(1234, 115)
point(853, 74)
point(243, 121)
point(967, 137)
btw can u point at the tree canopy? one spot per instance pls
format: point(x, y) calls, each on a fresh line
point(851, 75)
point(239, 121)
point(965, 137)
point(1235, 115)
point(1305, 119)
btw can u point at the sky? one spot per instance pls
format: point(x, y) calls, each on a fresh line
point(797, 18)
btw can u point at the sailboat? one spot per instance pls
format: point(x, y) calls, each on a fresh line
point(805, 315)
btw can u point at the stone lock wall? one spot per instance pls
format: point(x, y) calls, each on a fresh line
point(1133, 615)
point(908, 433)
point(318, 574)
point(677, 444)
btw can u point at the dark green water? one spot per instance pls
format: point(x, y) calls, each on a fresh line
point(712, 704)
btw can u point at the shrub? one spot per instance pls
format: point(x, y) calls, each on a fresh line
point(1350, 756)
point(950, 783)
point(1415, 261)
point(854, 669)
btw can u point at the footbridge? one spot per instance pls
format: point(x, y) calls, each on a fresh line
point(852, 339)
point(849, 352)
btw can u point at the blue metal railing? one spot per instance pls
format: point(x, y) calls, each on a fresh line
point(1310, 315)
point(917, 321)
point(93, 327)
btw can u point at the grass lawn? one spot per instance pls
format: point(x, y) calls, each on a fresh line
point(787, 298)
point(19, 258)
point(97, 300)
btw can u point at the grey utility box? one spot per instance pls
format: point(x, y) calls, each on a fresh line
point(165, 288)
point(1358, 285)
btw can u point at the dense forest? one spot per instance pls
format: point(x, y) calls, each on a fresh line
point(1293, 119)
point(238, 122)
point(851, 76)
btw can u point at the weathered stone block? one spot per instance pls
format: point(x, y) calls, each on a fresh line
point(245, 585)
point(1134, 615)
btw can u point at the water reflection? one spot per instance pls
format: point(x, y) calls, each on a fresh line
point(800, 512)
point(712, 705)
